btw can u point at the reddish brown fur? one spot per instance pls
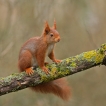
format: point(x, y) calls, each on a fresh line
point(33, 53)
point(58, 87)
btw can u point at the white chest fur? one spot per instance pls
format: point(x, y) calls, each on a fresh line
point(49, 49)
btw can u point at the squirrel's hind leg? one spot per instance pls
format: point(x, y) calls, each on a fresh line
point(24, 63)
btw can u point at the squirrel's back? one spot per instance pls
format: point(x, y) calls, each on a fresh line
point(30, 45)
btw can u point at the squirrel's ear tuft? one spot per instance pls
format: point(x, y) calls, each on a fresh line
point(47, 28)
point(54, 26)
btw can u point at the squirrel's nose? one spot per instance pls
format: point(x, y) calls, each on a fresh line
point(58, 39)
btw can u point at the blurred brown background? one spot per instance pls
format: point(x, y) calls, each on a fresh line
point(82, 26)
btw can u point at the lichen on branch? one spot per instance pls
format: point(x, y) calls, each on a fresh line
point(68, 66)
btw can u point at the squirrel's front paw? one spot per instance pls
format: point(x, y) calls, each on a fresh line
point(57, 61)
point(45, 69)
point(29, 71)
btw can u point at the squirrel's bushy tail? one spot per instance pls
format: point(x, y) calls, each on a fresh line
point(58, 87)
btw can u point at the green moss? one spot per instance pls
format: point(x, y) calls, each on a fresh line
point(44, 78)
point(73, 64)
point(99, 58)
point(100, 53)
point(63, 73)
point(67, 60)
point(53, 70)
point(89, 55)
point(96, 55)
point(102, 48)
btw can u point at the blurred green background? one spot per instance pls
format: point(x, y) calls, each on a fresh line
point(82, 26)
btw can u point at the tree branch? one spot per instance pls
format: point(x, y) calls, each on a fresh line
point(68, 66)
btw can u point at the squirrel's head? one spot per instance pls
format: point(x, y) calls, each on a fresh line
point(51, 35)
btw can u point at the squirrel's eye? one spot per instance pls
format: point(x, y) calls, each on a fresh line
point(51, 34)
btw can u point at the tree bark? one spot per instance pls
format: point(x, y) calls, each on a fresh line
point(68, 66)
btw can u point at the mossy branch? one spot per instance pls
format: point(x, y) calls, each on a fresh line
point(68, 66)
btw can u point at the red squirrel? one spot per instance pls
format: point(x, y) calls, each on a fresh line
point(32, 54)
